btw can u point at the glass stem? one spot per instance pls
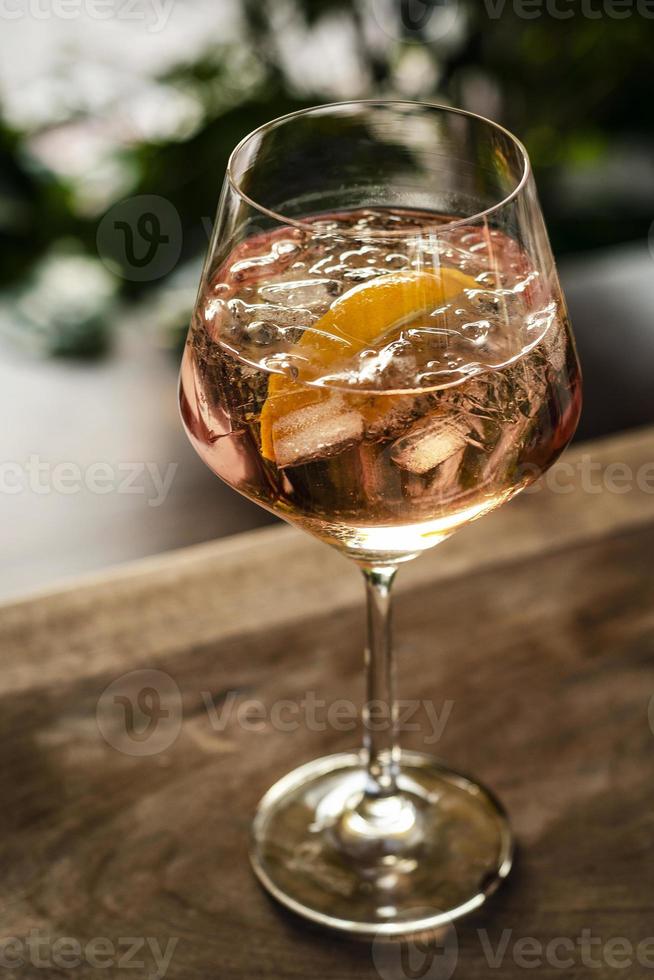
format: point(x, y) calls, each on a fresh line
point(380, 709)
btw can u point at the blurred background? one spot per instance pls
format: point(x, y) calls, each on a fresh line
point(116, 121)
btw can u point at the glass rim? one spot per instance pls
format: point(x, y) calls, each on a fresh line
point(386, 103)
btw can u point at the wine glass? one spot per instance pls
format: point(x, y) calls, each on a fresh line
point(379, 354)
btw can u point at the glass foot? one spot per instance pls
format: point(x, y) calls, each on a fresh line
point(386, 866)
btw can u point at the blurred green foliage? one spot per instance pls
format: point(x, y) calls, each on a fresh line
point(578, 91)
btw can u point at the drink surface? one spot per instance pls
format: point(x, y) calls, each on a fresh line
point(379, 377)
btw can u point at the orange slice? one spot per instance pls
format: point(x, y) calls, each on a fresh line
point(360, 317)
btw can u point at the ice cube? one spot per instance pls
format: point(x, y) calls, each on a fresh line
point(555, 347)
point(262, 324)
point(446, 478)
point(500, 466)
point(442, 484)
point(397, 260)
point(307, 293)
point(388, 417)
point(477, 331)
point(427, 444)
point(263, 333)
point(315, 432)
point(363, 274)
point(274, 260)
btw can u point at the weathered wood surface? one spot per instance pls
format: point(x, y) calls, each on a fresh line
point(535, 625)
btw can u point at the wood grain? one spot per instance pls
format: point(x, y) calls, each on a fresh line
point(536, 625)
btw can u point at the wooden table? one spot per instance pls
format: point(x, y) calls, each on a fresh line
point(536, 625)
